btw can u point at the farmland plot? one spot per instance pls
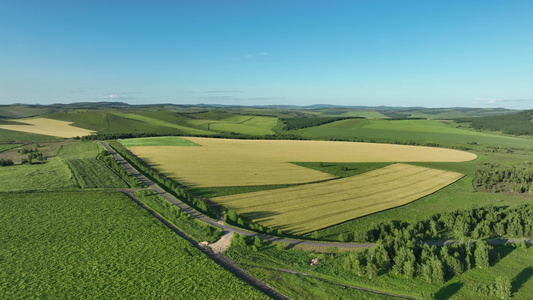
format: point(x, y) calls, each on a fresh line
point(92, 173)
point(310, 207)
point(226, 162)
point(48, 127)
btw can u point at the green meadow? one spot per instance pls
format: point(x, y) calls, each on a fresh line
point(80, 245)
point(419, 131)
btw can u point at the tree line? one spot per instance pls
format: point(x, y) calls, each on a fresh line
point(304, 122)
point(166, 183)
point(476, 223)
point(515, 124)
point(199, 231)
point(119, 169)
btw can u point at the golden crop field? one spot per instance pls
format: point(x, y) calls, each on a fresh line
point(311, 207)
point(48, 127)
point(227, 162)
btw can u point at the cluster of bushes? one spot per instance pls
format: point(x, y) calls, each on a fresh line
point(484, 222)
point(199, 231)
point(168, 184)
point(304, 122)
point(250, 243)
point(517, 180)
point(118, 168)
point(500, 289)
point(6, 162)
point(34, 157)
point(27, 150)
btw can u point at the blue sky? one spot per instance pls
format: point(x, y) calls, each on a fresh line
point(393, 52)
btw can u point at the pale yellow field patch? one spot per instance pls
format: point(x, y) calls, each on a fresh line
point(310, 207)
point(48, 127)
point(227, 162)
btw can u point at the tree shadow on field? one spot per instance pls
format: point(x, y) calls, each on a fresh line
point(448, 291)
point(500, 252)
point(255, 215)
point(520, 279)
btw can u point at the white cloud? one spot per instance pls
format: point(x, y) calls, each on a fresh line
point(498, 101)
point(485, 101)
point(119, 96)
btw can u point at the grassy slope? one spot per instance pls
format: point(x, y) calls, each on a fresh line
point(10, 135)
point(107, 122)
point(101, 245)
point(250, 125)
point(421, 131)
point(163, 123)
point(93, 120)
point(157, 141)
point(23, 111)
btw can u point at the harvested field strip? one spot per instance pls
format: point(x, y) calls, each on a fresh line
point(48, 127)
point(357, 189)
point(227, 162)
point(381, 201)
point(311, 207)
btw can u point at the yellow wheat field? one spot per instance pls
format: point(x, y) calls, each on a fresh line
point(227, 162)
point(310, 207)
point(48, 127)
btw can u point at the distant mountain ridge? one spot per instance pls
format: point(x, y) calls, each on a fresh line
point(29, 110)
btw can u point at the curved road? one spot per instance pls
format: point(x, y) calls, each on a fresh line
point(228, 228)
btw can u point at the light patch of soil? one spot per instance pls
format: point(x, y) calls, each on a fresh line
point(222, 244)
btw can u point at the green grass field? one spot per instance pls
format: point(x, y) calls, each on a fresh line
point(420, 131)
point(74, 245)
point(4, 147)
point(92, 173)
point(53, 175)
point(88, 171)
point(10, 135)
point(250, 125)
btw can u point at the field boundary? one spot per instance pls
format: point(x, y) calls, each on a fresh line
point(220, 259)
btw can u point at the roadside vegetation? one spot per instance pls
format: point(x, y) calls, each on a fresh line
point(198, 230)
